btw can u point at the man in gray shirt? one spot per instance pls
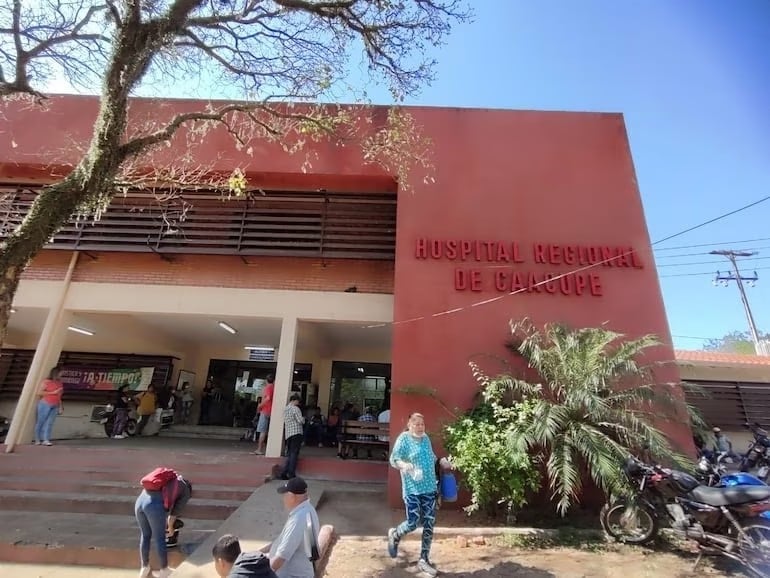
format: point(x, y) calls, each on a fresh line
point(291, 552)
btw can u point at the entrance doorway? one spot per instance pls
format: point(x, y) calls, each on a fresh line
point(237, 389)
point(362, 384)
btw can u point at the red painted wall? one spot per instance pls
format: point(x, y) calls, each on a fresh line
point(512, 176)
point(530, 177)
point(42, 141)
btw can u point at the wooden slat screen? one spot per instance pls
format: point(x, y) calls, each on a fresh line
point(18, 362)
point(283, 223)
point(14, 365)
point(730, 405)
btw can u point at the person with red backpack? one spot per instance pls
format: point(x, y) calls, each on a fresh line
point(164, 494)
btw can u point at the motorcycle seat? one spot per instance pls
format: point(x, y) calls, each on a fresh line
point(730, 496)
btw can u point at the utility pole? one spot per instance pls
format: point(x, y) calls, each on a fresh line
point(736, 276)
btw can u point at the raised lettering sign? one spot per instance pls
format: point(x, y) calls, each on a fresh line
point(497, 265)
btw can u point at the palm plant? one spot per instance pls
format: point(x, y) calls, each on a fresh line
point(591, 405)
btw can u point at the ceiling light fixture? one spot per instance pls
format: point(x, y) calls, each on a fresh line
point(226, 327)
point(13, 310)
point(259, 348)
point(80, 330)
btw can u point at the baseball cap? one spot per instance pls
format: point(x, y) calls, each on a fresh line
point(716, 430)
point(294, 486)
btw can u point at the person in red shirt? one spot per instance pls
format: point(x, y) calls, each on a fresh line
point(264, 409)
point(48, 407)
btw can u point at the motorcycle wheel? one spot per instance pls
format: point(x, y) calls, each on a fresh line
point(130, 427)
point(756, 550)
point(629, 524)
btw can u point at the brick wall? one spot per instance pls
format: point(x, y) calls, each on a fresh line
point(218, 271)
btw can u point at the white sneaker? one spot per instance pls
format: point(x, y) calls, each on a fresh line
point(145, 572)
point(37, 442)
point(163, 573)
point(426, 568)
point(47, 443)
point(119, 437)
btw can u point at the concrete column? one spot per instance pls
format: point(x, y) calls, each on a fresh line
point(284, 375)
point(46, 355)
point(324, 380)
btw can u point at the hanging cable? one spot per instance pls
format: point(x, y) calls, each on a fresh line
point(703, 273)
point(574, 271)
point(712, 244)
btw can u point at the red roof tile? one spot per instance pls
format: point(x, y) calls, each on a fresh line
point(719, 357)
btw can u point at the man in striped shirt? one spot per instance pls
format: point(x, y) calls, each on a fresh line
point(293, 420)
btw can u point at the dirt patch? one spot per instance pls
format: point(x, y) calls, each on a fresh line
point(361, 520)
point(367, 557)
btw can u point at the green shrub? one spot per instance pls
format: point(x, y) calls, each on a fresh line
point(498, 478)
point(587, 402)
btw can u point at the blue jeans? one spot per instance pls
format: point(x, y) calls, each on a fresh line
point(419, 506)
point(293, 445)
point(151, 516)
point(46, 415)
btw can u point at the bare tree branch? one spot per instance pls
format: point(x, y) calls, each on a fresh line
point(280, 57)
point(141, 144)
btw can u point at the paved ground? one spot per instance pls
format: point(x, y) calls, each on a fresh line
point(361, 519)
point(52, 571)
point(187, 445)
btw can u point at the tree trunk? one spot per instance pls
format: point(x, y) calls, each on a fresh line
point(8, 285)
point(92, 180)
point(52, 208)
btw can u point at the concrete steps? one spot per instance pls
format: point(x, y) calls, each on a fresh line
point(204, 432)
point(114, 504)
point(74, 503)
point(71, 485)
point(74, 484)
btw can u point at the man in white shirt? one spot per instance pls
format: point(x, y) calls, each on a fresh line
point(293, 552)
point(293, 422)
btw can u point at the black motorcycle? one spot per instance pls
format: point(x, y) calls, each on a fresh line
point(722, 521)
point(757, 456)
point(105, 415)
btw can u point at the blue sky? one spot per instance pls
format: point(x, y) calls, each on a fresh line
point(692, 78)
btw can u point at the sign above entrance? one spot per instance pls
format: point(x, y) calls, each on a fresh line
point(502, 270)
point(105, 379)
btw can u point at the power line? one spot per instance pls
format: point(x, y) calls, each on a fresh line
point(705, 253)
point(701, 273)
point(714, 220)
point(712, 244)
point(708, 262)
point(736, 276)
point(562, 275)
point(700, 338)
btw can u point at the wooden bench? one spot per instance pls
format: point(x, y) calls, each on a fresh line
point(353, 431)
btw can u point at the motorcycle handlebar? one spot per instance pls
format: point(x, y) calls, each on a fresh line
point(647, 469)
point(755, 428)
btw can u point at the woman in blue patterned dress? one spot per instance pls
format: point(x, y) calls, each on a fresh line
point(413, 456)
